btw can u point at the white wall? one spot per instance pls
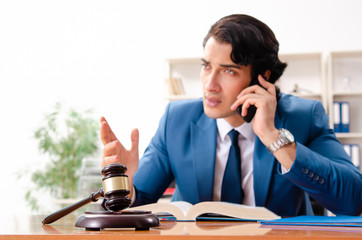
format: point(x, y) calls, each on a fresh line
point(108, 55)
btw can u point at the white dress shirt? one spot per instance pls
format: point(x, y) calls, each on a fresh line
point(246, 144)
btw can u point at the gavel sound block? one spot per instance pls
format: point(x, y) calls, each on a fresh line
point(115, 190)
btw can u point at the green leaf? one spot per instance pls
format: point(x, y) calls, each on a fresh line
point(66, 141)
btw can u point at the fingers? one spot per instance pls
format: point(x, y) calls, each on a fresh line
point(115, 147)
point(134, 140)
point(251, 94)
point(269, 87)
point(112, 148)
point(115, 152)
point(108, 160)
point(246, 101)
point(265, 86)
point(106, 132)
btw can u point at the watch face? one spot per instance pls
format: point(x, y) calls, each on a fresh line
point(288, 135)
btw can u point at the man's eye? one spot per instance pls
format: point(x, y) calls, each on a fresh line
point(205, 65)
point(229, 71)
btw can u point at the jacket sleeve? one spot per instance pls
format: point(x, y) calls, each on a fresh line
point(154, 174)
point(323, 169)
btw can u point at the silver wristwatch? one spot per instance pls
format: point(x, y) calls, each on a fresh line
point(285, 137)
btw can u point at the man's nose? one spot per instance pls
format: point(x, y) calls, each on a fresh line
point(212, 82)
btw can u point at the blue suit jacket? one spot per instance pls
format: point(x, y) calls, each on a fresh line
point(184, 149)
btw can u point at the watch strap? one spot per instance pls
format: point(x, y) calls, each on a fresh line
point(280, 142)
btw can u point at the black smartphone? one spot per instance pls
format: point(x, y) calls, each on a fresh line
point(252, 109)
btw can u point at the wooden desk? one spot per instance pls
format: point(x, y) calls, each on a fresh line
point(30, 227)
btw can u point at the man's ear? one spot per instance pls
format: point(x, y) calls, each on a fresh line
point(267, 74)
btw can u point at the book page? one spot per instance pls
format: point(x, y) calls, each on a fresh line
point(194, 228)
point(232, 210)
point(183, 206)
point(178, 208)
point(186, 211)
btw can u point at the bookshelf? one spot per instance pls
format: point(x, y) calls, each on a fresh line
point(187, 71)
point(326, 77)
point(345, 85)
point(304, 76)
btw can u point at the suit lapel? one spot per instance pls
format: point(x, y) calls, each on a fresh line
point(203, 142)
point(263, 164)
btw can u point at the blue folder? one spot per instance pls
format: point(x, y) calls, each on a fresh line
point(340, 221)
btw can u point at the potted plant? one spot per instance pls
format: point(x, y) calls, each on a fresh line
point(66, 140)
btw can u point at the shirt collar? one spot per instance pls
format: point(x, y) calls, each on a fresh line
point(245, 129)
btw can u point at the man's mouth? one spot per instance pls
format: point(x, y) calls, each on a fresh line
point(212, 101)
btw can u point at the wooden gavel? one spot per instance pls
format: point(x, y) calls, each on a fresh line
point(115, 190)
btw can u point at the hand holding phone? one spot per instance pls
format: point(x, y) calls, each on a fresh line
point(249, 115)
point(252, 109)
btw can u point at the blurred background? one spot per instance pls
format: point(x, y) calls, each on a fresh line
point(109, 56)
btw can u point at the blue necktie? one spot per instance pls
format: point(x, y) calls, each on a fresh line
point(231, 190)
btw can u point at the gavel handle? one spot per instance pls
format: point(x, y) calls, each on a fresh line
point(64, 211)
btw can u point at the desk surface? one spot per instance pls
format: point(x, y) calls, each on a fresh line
point(30, 227)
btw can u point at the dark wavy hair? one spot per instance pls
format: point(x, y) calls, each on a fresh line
point(253, 42)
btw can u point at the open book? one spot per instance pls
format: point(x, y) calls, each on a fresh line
point(184, 211)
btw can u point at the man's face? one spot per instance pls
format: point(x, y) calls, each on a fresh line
point(222, 81)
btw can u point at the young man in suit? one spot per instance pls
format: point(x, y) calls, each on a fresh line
point(286, 151)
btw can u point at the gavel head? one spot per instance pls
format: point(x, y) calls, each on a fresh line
point(115, 187)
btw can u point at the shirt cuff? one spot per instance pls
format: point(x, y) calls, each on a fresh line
point(133, 199)
point(284, 171)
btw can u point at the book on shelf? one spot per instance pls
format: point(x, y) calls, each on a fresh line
point(345, 116)
point(209, 210)
point(336, 117)
point(341, 117)
point(175, 86)
point(353, 151)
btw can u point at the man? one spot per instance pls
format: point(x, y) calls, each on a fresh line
point(287, 150)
